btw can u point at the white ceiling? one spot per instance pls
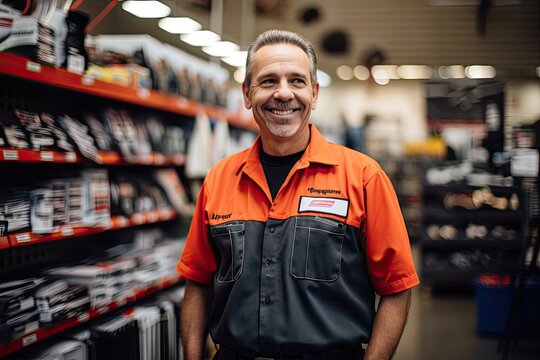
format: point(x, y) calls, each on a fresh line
point(407, 32)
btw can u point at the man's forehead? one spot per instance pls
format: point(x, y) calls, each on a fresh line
point(283, 52)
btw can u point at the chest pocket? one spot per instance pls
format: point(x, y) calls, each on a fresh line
point(317, 246)
point(229, 241)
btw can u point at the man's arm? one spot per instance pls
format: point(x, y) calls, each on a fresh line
point(388, 327)
point(194, 319)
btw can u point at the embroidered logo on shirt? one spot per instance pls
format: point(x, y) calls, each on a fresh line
point(339, 207)
point(324, 191)
point(221, 216)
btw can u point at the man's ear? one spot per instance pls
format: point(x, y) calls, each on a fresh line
point(315, 96)
point(245, 92)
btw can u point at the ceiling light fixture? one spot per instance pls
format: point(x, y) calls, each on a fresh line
point(323, 78)
point(146, 9)
point(239, 75)
point(390, 70)
point(179, 25)
point(344, 72)
point(237, 59)
point(414, 72)
point(200, 38)
point(221, 49)
point(380, 76)
point(452, 72)
point(361, 72)
point(480, 72)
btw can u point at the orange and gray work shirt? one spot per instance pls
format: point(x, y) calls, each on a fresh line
point(299, 273)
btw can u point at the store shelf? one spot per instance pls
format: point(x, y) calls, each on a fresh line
point(428, 244)
point(105, 158)
point(446, 216)
point(65, 232)
point(25, 155)
point(16, 66)
point(44, 333)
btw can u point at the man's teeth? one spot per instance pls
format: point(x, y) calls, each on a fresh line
point(282, 112)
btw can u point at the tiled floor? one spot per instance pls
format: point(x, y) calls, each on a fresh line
point(442, 325)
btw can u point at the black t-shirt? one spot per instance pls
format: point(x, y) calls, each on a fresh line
point(276, 169)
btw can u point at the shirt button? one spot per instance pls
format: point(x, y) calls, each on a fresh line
point(268, 261)
point(271, 229)
point(267, 300)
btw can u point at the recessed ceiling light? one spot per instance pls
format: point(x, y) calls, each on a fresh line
point(179, 25)
point(361, 72)
point(237, 59)
point(380, 76)
point(239, 75)
point(323, 78)
point(390, 70)
point(146, 9)
point(344, 72)
point(221, 49)
point(480, 72)
point(413, 72)
point(200, 38)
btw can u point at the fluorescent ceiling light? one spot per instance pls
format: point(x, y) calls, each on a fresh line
point(323, 78)
point(179, 25)
point(221, 49)
point(344, 72)
point(200, 38)
point(380, 76)
point(390, 70)
point(146, 9)
point(361, 72)
point(412, 72)
point(480, 72)
point(239, 75)
point(237, 59)
point(452, 72)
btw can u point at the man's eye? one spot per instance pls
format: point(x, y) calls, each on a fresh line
point(267, 82)
point(299, 81)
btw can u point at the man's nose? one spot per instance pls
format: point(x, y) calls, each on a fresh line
point(283, 91)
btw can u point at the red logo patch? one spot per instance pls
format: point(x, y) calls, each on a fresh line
point(322, 203)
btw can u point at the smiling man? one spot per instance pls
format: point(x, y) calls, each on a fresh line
point(292, 238)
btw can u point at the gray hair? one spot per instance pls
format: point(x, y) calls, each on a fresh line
point(272, 37)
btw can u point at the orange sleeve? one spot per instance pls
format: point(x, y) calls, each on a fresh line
point(198, 261)
point(389, 256)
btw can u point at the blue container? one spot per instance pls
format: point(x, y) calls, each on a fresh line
point(493, 304)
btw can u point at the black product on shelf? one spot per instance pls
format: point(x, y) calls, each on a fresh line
point(41, 137)
point(80, 135)
point(103, 139)
point(61, 138)
point(58, 300)
point(15, 210)
point(19, 315)
point(76, 56)
point(156, 133)
point(14, 133)
point(117, 339)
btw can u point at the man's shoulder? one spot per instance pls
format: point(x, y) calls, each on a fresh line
point(353, 156)
point(231, 163)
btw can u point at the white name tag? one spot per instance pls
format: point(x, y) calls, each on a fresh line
point(325, 205)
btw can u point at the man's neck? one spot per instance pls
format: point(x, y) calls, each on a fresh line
point(281, 147)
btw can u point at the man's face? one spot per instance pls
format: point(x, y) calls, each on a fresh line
point(281, 93)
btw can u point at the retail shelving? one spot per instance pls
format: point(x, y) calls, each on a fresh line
point(105, 158)
point(33, 87)
point(466, 230)
point(67, 231)
point(16, 66)
point(44, 333)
